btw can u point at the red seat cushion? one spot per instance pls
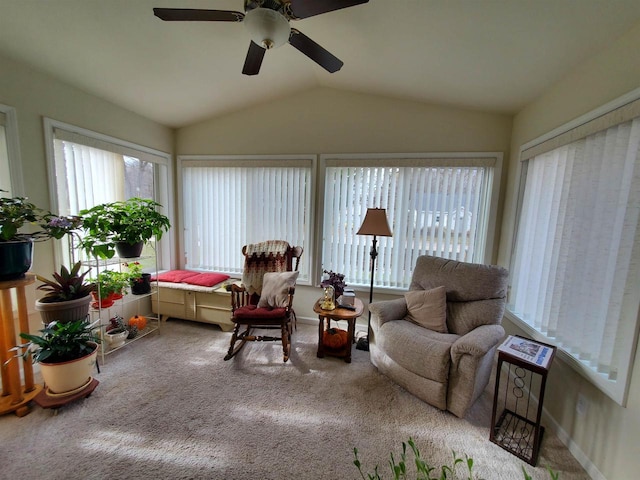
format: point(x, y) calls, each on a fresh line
point(175, 276)
point(206, 279)
point(252, 312)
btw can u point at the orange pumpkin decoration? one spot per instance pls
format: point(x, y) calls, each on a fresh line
point(138, 321)
point(335, 338)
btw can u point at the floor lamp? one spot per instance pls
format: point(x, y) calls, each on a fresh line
point(375, 223)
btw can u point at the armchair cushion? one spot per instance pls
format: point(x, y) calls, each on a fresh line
point(428, 308)
point(275, 289)
point(401, 340)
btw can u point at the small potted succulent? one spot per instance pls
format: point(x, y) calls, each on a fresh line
point(123, 226)
point(116, 332)
point(66, 353)
point(16, 245)
point(68, 295)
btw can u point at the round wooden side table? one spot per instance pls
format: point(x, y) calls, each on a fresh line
point(325, 317)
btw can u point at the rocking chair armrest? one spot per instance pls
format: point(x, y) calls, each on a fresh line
point(239, 296)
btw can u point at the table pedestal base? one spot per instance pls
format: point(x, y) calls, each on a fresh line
point(22, 408)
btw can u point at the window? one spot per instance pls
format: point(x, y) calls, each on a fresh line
point(436, 204)
point(576, 263)
point(228, 202)
point(89, 169)
point(10, 171)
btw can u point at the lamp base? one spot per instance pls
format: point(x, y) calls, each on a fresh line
point(363, 344)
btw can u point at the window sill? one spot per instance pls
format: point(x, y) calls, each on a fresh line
point(616, 390)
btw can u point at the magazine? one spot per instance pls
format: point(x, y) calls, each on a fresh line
point(527, 350)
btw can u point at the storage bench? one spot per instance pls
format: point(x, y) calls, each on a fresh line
point(207, 304)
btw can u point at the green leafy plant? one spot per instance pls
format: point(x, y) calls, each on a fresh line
point(110, 281)
point(60, 342)
point(459, 468)
point(131, 221)
point(135, 271)
point(18, 212)
point(66, 285)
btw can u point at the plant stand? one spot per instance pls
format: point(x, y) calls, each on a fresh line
point(15, 397)
point(54, 401)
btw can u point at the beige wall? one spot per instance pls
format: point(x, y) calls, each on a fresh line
point(608, 434)
point(35, 95)
point(324, 120)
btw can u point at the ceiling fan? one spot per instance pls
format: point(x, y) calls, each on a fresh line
point(268, 25)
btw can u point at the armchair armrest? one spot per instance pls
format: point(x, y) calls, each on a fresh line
point(477, 342)
point(385, 311)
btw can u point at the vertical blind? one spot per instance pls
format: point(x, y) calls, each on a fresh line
point(577, 260)
point(226, 205)
point(434, 206)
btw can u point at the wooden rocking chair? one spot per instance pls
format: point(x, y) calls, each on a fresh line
point(265, 298)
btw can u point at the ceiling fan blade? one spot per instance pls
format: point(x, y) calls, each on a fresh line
point(254, 59)
point(309, 8)
point(314, 51)
point(195, 15)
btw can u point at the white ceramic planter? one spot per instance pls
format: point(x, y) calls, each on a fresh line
point(69, 376)
point(116, 340)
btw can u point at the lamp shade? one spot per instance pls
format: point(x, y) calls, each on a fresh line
point(375, 223)
point(267, 28)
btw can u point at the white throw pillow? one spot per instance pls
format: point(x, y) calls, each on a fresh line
point(428, 308)
point(275, 288)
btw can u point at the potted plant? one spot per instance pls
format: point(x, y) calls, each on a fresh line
point(117, 282)
point(116, 332)
point(124, 225)
point(66, 353)
point(16, 246)
point(140, 282)
point(107, 284)
point(68, 295)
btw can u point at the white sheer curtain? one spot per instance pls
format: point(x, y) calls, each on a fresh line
point(228, 205)
point(435, 207)
point(576, 263)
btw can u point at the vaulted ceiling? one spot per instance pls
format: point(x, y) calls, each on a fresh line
point(494, 55)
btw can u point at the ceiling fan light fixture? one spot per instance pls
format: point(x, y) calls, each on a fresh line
point(267, 28)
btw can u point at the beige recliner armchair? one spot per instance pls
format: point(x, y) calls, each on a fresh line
point(439, 340)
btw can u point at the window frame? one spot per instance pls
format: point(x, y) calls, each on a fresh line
point(259, 161)
point(618, 391)
point(486, 228)
point(13, 150)
point(166, 257)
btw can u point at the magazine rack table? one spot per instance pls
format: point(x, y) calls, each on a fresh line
point(521, 377)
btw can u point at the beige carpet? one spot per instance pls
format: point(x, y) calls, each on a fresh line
point(169, 407)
